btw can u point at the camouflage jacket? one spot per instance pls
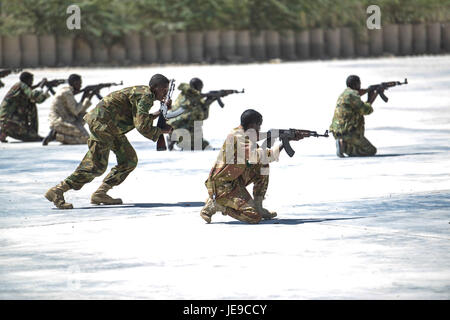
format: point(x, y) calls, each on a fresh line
point(238, 153)
point(349, 113)
point(65, 108)
point(126, 109)
point(195, 106)
point(19, 101)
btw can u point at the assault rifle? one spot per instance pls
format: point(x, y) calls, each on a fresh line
point(164, 115)
point(7, 72)
point(286, 135)
point(97, 87)
point(218, 94)
point(54, 83)
point(381, 87)
point(49, 84)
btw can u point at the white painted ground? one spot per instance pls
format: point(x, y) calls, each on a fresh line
point(360, 228)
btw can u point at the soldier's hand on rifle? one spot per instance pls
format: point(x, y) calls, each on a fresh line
point(372, 96)
point(169, 104)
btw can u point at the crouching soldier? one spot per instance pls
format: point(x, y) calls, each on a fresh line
point(114, 116)
point(241, 162)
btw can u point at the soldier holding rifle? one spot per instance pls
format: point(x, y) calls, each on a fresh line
point(242, 162)
point(115, 115)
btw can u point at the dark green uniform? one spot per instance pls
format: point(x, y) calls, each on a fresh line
point(348, 124)
point(118, 113)
point(18, 112)
point(196, 109)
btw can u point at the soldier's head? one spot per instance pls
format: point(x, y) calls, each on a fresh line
point(75, 81)
point(159, 85)
point(251, 119)
point(27, 78)
point(196, 84)
point(353, 82)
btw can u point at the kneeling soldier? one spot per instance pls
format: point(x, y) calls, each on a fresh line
point(348, 121)
point(114, 116)
point(241, 162)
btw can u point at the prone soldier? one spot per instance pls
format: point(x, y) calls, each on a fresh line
point(115, 115)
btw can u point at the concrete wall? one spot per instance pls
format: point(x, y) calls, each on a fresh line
point(226, 46)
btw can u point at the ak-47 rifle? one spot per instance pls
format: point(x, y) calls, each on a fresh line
point(218, 94)
point(164, 116)
point(379, 88)
point(7, 72)
point(54, 83)
point(97, 87)
point(286, 135)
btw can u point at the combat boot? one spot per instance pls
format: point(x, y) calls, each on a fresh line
point(56, 195)
point(265, 214)
point(50, 137)
point(340, 148)
point(100, 196)
point(3, 136)
point(210, 208)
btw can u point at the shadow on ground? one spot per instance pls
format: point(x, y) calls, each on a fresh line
point(145, 205)
point(291, 221)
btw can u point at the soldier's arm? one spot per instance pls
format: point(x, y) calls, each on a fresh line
point(361, 106)
point(254, 154)
point(76, 107)
point(143, 121)
point(37, 96)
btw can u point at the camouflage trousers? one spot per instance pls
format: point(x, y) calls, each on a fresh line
point(94, 164)
point(235, 197)
point(356, 145)
point(70, 133)
point(19, 131)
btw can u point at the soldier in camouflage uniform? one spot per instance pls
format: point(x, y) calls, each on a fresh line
point(115, 115)
point(348, 121)
point(18, 111)
point(241, 162)
point(196, 109)
point(66, 114)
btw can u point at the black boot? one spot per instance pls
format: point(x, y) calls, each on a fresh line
point(51, 137)
point(3, 136)
point(340, 148)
